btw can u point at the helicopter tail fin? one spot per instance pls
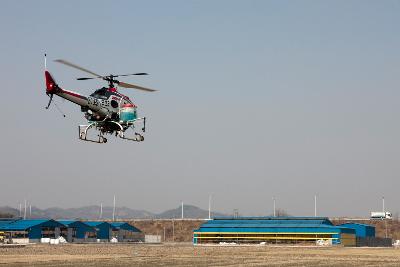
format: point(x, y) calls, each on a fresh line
point(51, 85)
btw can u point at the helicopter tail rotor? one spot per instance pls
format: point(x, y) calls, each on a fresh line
point(51, 85)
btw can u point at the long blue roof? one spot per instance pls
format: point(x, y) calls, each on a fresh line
point(78, 225)
point(268, 221)
point(124, 226)
point(7, 221)
point(361, 224)
point(21, 225)
point(260, 224)
point(67, 222)
point(73, 222)
point(287, 218)
point(95, 223)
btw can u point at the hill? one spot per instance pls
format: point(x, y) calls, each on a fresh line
point(189, 211)
point(93, 212)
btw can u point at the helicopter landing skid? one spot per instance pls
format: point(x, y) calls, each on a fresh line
point(83, 130)
point(137, 137)
point(83, 134)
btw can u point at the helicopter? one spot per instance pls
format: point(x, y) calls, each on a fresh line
point(106, 110)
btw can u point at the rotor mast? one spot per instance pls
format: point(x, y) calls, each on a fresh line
point(110, 80)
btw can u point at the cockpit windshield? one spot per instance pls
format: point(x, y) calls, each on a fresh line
point(100, 93)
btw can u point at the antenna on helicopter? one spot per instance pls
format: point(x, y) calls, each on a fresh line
point(45, 61)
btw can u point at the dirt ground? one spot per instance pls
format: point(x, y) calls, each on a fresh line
point(189, 255)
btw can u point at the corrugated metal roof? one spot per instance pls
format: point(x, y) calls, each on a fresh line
point(96, 223)
point(66, 222)
point(272, 224)
point(102, 228)
point(273, 230)
point(362, 230)
point(7, 221)
point(22, 225)
point(267, 222)
point(262, 225)
point(124, 226)
point(78, 225)
point(269, 218)
point(361, 224)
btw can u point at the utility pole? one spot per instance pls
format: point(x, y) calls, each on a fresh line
point(236, 213)
point(383, 205)
point(386, 229)
point(30, 210)
point(209, 207)
point(20, 210)
point(101, 211)
point(164, 234)
point(25, 210)
point(113, 215)
point(182, 210)
point(173, 230)
point(384, 216)
point(273, 199)
point(315, 206)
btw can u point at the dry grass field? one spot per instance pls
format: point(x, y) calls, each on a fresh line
point(188, 255)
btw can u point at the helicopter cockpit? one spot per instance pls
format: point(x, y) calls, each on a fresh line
point(101, 93)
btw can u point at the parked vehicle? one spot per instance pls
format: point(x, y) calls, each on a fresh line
point(381, 215)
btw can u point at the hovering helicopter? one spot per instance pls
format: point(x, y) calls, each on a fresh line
point(106, 110)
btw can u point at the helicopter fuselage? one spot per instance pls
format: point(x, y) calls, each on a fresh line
point(103, 103)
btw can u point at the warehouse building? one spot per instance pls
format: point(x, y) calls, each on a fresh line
point(362, 230)
point(103, 230)
point(31, 231)
point(77, 231)
point(365, 235)
point(273, 230)
point(124, 232)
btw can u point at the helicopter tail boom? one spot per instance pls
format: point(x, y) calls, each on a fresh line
point(53, 88)
point(73, 97)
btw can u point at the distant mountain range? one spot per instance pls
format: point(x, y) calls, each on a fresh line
point(93, 213)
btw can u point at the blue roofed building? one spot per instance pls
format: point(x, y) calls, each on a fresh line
point(5, 221)
point(77, 231)
point(274, 230)
point(103, 230)
point(125, 232)
point(362, 230)
point(365, 235)
point(31, 231)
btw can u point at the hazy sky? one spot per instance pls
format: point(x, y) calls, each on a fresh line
point(257, 98)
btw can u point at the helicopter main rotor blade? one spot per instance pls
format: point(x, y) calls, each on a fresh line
point(84, 79)
point(62, 61)
point(140, 73)
point(128, 85)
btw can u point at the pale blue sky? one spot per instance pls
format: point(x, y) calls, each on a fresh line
point(257, 98)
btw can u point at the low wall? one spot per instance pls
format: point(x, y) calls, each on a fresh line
point(373, 242)
point(21, 240)
point(170, 230)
